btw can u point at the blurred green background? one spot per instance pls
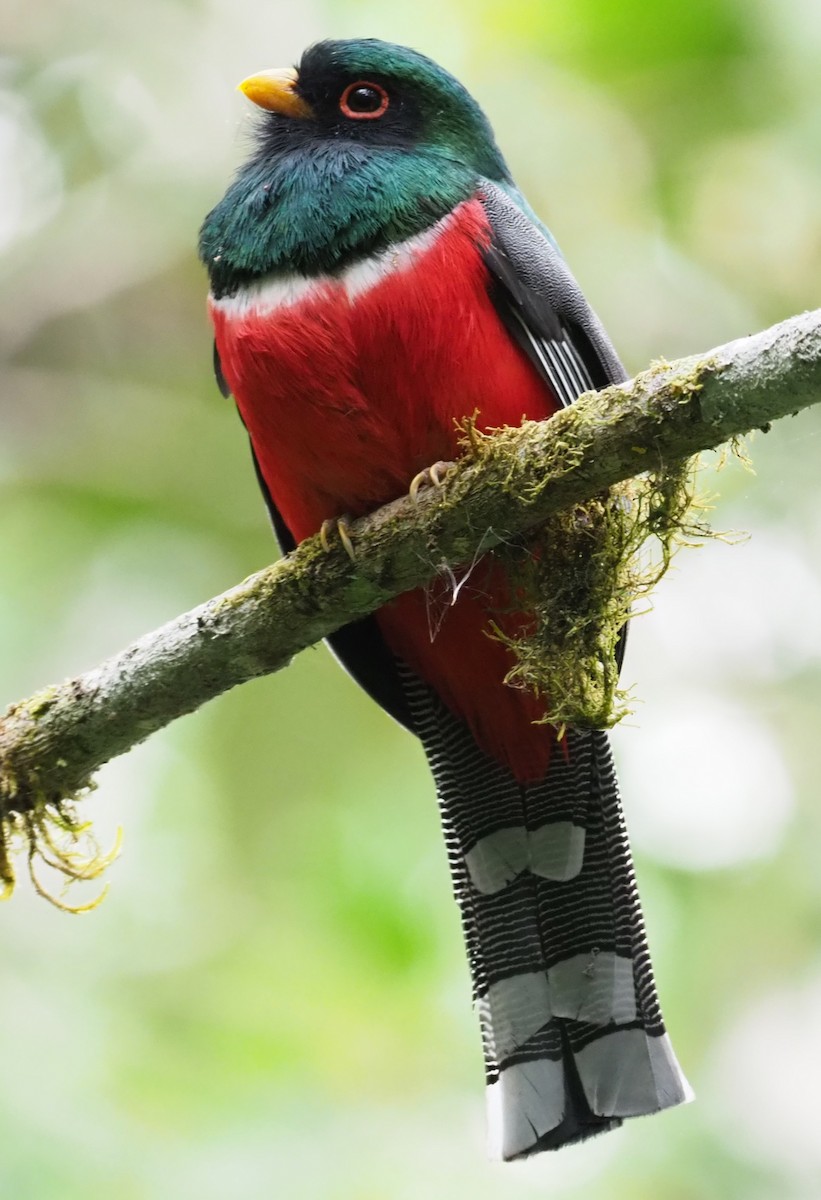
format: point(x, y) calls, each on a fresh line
point(274, 1000)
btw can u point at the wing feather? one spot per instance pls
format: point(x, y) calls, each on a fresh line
point(542, 306)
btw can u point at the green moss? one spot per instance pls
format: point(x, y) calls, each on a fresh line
point(40, 703)
point(582, 575)
point(586, 571)
point(51, 835)
point(684, 384)
point(39, 824)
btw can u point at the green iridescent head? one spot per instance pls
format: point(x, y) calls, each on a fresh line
point(363, 144)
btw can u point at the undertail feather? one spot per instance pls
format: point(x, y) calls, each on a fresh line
point(572, 1031)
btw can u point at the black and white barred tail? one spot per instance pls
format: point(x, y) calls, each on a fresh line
point(573, 1035)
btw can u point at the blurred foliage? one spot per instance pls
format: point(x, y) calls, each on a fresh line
point(274, 998)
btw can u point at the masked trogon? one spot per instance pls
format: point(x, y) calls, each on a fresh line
point(375, 277)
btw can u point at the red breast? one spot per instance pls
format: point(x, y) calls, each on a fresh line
point(349, 386)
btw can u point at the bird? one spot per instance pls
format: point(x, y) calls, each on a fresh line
point(376, 277)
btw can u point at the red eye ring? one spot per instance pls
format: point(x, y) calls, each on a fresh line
point(366, 115)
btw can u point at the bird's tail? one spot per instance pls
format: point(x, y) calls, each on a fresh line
point(573, 1035)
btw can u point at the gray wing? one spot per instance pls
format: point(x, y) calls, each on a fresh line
point(542, 305)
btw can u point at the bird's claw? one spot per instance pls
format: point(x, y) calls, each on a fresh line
point(340, 526)
point(431, 477)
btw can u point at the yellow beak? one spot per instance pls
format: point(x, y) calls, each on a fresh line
point(276, 91)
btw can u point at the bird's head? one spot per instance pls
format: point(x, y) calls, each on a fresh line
point(373, 94)
point(361, 146)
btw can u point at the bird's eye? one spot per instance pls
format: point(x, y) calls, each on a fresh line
point(363, 101)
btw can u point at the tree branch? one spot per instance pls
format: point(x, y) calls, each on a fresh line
point(51, 744)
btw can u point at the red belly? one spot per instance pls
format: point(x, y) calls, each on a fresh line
point(345, 400)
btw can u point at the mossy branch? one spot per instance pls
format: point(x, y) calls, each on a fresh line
point(52, 743)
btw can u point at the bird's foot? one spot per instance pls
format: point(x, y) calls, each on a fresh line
point(339, 525)
point(431, 477)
